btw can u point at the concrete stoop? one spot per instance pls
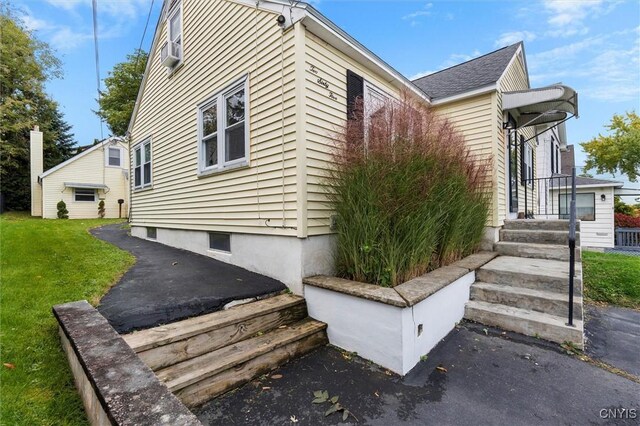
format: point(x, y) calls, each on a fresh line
point(525, 289)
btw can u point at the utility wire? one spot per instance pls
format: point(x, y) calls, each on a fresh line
point(94, 6)
point(143, 34)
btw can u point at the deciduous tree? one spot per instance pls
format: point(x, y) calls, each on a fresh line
point(117, 101)
point(620, 150)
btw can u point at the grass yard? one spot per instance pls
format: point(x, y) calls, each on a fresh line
point(43, 263)
point(612, 278)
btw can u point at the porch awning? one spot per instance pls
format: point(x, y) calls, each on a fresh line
point(544, 105)
point(85, 185)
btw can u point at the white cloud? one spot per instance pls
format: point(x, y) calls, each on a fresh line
point(567, 18)
point(120, 9)
point(512, 37)
point(65, 39)
point(420, 74)
point(413, 16)
point(34, 24)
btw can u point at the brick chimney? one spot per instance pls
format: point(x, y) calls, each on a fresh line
point(37, 165)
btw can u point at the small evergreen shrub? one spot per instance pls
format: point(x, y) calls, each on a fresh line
point(101, 209)
point(408, 195)
point(63, 213)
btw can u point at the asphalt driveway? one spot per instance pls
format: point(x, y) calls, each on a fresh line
point(168, 284)
point(613, 336)
point(470, 378)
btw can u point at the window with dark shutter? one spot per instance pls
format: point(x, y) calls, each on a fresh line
point(355, 90)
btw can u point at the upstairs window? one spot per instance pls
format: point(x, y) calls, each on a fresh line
point(171, 50)
point(142, 165)
point(223, 129)
point(114, 157)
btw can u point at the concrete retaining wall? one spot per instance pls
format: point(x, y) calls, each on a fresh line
point(116, 387)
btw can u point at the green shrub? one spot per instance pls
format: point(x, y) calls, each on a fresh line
point(408, 195)
point(63, 213)
point(101, 209)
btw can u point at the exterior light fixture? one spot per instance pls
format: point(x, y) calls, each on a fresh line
point(603, 197)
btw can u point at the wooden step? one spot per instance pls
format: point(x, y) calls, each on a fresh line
point(227, 380)
point(166, 345)
point(525, 321)
point(195, 370)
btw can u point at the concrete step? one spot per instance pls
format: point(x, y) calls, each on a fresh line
point(202, 378)
point(170, 344)
point(537, 236)
point(525, 321)
point(537, 251)
point(525, 298)
point(539, 224)
point(537, 274)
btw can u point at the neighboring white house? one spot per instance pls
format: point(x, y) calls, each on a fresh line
point(594, 197)
point(100, 172)
point(231, 135)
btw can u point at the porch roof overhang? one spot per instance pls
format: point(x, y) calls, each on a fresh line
point(545, 105)
point(85, 185)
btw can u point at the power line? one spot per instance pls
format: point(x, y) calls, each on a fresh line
point(143, 34)
point(94, 6)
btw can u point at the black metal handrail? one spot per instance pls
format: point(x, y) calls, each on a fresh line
point(572, 244)
point(555, 196)
point(548, 197)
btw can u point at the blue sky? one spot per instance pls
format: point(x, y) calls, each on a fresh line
point(590, 45)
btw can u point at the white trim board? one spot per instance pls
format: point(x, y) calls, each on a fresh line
point(82, 154)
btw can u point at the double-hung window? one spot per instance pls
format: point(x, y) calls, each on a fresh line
point(114, 157)
point(142, 165)
point(175, 30)
point(223, 134)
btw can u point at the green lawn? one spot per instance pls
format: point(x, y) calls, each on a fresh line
point(612, 278)
point(43, 263)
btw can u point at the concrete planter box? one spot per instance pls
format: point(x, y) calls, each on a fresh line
point(393, 327)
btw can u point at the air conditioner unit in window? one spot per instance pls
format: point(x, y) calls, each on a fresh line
point(170, 54)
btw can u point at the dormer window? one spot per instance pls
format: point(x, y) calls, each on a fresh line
point(171, 50)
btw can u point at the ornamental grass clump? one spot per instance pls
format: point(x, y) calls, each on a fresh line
point(408, 195)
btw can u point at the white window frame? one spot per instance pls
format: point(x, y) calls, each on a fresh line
point(106, 159)
point(177, 8)
point(75, 200)
point(373, 93)
point(143, 160)
point(528, 163)
point(219, 99)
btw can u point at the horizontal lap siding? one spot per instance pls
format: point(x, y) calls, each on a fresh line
point(325, 117)
point(219, 39)
point(473, 117)
point(515, 78)
point(88, 169)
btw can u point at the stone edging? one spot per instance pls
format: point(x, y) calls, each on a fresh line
point(408, 293)
point(115, 385)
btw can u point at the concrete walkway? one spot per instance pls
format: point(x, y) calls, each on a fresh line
point(168, 284)
point(613, 336)
point(482, 379)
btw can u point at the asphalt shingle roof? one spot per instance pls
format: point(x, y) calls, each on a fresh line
point(467, 76)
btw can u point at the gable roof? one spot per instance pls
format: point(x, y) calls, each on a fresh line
point(467, 76)
point(79, 156)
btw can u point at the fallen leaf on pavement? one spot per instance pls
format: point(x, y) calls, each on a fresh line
point(277, 376)
point(441, 368)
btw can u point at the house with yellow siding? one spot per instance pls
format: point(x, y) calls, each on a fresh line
point(98, 173)
point(232, 130)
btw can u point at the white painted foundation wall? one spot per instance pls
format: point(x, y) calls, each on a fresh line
point(385, 334)
point(287, 259)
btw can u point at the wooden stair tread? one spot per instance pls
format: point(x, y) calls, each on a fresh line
point(163, 335)
point(196, 369)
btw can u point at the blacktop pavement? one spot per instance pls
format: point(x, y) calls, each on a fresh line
point(167, 284)
point(470, 378)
